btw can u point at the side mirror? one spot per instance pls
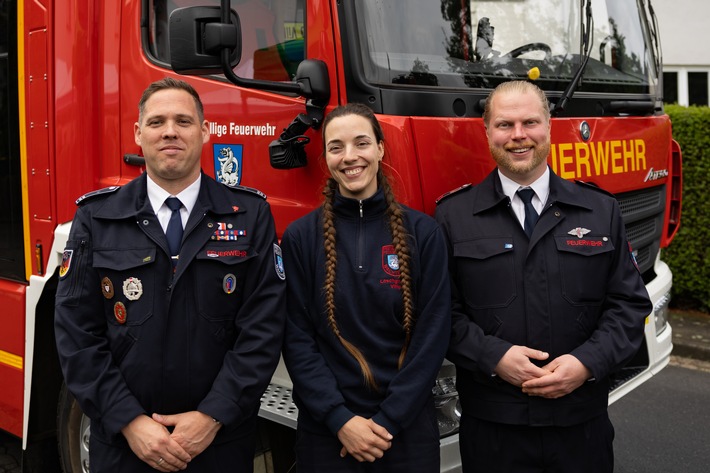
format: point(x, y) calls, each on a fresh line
point(199, 42)
point(312, 76)
point(197, 38)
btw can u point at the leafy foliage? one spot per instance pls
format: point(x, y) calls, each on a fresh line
point(689, 254)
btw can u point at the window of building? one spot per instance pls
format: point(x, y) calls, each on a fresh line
point(698, 88)
point(686, 87)
point(670, 87)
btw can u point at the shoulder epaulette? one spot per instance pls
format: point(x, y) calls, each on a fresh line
point(589, 185)
point(90, 195)
point(452, 192)
point(248, 189)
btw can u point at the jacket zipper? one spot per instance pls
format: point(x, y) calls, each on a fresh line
point(360, 238)
point(79, 277)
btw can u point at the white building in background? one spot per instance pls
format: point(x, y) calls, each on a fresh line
point(685, 39)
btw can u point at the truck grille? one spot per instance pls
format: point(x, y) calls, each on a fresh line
point(642, 211)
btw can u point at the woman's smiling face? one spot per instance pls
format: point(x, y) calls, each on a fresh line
point(353, 155)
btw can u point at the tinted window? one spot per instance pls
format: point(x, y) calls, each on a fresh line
point(670, 87)
point(698, 88)
point(11, 242)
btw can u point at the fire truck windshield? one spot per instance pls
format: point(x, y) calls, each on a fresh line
point(455, 44)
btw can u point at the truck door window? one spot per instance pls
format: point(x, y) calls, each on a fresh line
point(273, 35)
point(12, 256)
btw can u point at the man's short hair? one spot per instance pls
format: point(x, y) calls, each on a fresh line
point(170, 83)
point(520, 86)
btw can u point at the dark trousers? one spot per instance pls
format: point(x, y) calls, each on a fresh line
point(414, 450)
point(489, 447)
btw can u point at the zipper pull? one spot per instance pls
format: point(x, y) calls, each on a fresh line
point(360, 201)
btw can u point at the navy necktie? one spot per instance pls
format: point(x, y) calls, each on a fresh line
point(531, 215)
point(174, 231)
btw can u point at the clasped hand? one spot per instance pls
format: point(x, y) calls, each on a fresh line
point(558, 378)
point(152, 442)
point(364, 439)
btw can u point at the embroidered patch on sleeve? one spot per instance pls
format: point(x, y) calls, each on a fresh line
point(66, 263)
point(279, 262)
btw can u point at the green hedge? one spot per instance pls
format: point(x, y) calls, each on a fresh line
point(689, 253)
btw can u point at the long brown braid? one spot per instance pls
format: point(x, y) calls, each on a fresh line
point(401, 247)
point(399, 240)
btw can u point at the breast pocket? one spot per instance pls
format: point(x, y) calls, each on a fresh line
point(127, 284)
point(221, 270)
point(486, 270)
point(584, 267)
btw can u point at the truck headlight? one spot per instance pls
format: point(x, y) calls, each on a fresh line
point(661, 312)
point(446, 401)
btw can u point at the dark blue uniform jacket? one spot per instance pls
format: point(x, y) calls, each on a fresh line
point(206, 337)
point(328, 382)
point(572, 288)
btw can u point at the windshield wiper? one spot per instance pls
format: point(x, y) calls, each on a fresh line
point(653, 27)
point(587, 36)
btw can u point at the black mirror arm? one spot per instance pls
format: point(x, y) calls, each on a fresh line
point(292, 87)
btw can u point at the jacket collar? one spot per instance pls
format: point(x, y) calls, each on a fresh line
point(132, 200)
point(347, 207)
point(562, 192)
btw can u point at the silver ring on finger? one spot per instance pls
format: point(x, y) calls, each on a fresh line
point(160, 460)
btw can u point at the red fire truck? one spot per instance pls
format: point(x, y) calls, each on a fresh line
point(71, 74)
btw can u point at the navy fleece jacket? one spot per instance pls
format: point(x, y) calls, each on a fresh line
point(328, 383)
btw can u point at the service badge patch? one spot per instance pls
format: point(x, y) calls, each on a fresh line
point(119, 311)
point(107, 288)
point(229, 283)
point(279, 262)
point(132, 289)
point(579, 232)
point(390, 261)
point(66, 263)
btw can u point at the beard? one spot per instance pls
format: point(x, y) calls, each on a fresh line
point(520, 168)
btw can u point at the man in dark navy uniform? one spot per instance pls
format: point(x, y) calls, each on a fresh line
point(547, 302)
point(170, 306)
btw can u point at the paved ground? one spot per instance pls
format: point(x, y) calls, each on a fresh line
point(691, 334)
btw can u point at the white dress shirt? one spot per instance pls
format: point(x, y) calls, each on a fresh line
point(542, 191)
point(157, 196)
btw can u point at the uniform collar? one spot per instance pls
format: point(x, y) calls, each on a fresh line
point(187, 196)
point(564, 192)
point(541, 186)
point(346, 206)
point(132, 200)
point(561, 191)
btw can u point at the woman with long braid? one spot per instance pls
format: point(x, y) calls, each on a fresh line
point(369, 314)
